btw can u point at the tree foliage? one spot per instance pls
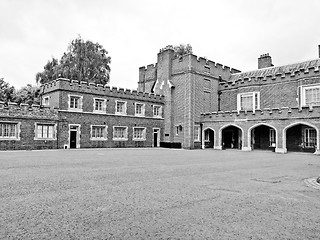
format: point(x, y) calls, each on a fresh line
point(182, 49)
point(7, 92)
point(84, 61)
point(28, 94)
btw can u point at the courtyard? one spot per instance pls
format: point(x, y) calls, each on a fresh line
point(158, 194)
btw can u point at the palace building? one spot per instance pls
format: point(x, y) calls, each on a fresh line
point(183, 101)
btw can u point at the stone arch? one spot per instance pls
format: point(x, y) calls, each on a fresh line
point(284, 133)
point(240, 136)
point(258, 125)
point(210, 142)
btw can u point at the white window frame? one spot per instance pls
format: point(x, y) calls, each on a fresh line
point(254, 95)
point(307, 139)
point(105, 133)
point(143, 107)
point(303, 94)
point(45, 101)
point(159, 112)
point(103, 107)
point(16, 137)
point(196, 133)
point(143, 137)
point(123, 109)
point(272, 137)
point(54, 131)
point(79, 108)
point(125, 138)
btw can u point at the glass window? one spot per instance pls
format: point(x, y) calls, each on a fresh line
point(75, 102)
point(139, 133)
point(310, 137)
point(99, 105)
point(248, 101)
point(45, 131)
point(272, 137)
point(120, 107)
point(120, 133)
point(45, 101)
point(157, 111)
point(99, 132)
point(9, 130)
point(312, 96)
point(139, 111)
point(196, 133)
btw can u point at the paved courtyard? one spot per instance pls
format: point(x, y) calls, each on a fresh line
point(158, 194)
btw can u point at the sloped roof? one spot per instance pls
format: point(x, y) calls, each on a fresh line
point(273, 71)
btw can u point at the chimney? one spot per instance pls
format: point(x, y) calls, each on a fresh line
point(265, 61)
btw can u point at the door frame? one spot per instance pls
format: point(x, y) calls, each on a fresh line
point(77, 129)
point(156, 130)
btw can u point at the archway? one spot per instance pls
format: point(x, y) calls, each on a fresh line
point(232, 137)
point(263, 137)
point(208, 138)
point(301, 137)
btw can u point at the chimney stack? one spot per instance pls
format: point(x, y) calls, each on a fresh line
point(264, 61)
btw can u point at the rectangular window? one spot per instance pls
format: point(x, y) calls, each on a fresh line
point(196, 134)
point(177, 130)
point(207, 135)
point(311, 96)
point(139, 134)
point(98, 132)
point(272, 137)
point(121, 107)
point(8, 131)
point(310, 135)
point(75, 103)
point(45, 131)
point(157, 111)
point(45, 101)
point(139, 109)
point(120, 133)
point(248, 101)
point(99, 105)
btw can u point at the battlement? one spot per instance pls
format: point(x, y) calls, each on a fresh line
point(259, 114)
point(98, 89)
point(273, 75)
point(190, 62)
point(148, 73)
point(26, 111)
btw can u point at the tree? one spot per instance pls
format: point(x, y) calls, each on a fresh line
point(28, 94)
point(84, 61)
point(182, 49)
point(7, 92)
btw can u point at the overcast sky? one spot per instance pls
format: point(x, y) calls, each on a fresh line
point(232, 32)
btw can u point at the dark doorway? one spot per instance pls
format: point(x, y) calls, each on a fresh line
point(301, 138)
point(208, 138)
point(73, 139)
point(155, 138)
point(263, 137)
point(231, 137)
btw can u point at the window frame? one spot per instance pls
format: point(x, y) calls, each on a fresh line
point(142, 114)
point(196, 133)
point(79, 108)
point(159, 114)
point(103, 106)
point(125, 138)
point(272, 137)
point(45, 101)
point(104, 133)
point(255, 100)
point(36, 129)
point(124, 107)
point(308, 143)
point(17, 131)
point(303, 94)
point(134, 138)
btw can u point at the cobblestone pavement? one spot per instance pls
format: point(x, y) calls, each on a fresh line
point(158, 194)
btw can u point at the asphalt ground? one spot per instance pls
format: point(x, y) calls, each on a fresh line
point(158, 194)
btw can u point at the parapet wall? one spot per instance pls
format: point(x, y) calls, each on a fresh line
point(98, 89)
point(148, 73)
point(273, 75)
point(191, 62)
point(13, 110)
point(260, 114)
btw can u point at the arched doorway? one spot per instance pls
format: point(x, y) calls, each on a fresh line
point(208, 138)
point(232, 137)
point(263, 137)
point(301, 138)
